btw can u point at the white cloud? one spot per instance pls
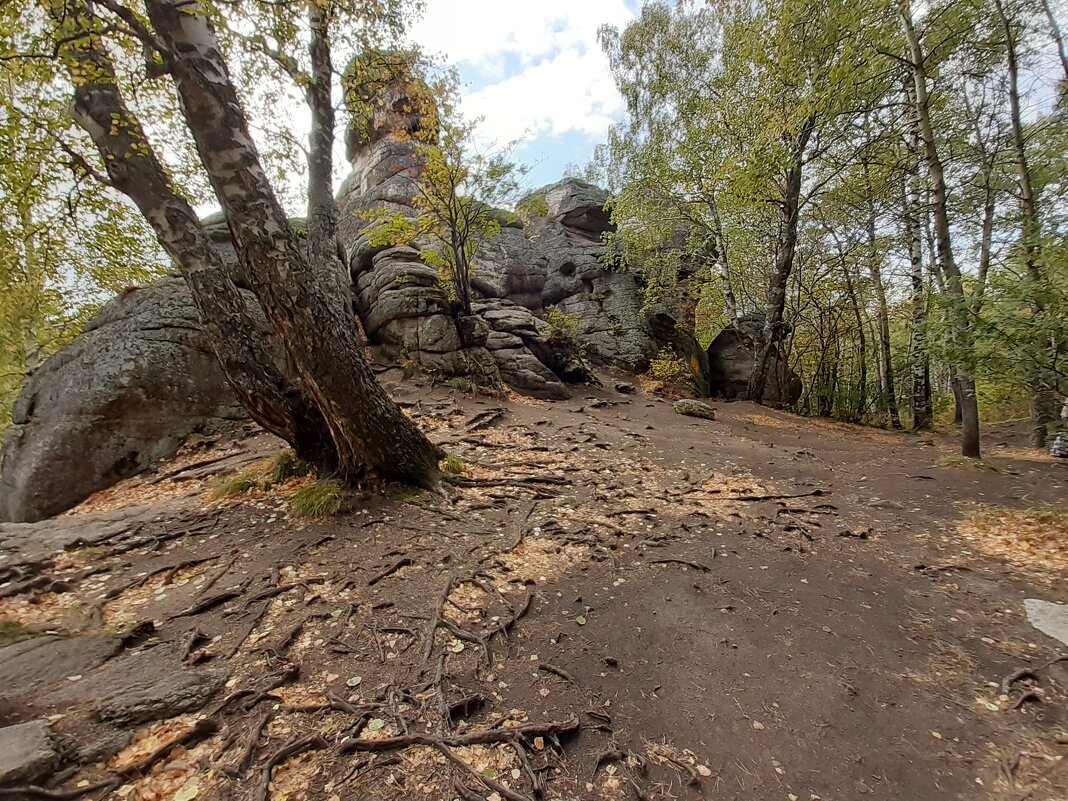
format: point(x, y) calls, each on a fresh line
point(562, 83)
point(572, 91)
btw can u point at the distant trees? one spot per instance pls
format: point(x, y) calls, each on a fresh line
point(865, 175)
point(65, 244)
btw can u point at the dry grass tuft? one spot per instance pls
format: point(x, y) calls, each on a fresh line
point(319, 499)
point(965, 463)
point(287, 465)
point(241, 483)
point(454, 465)
point(1034, 537)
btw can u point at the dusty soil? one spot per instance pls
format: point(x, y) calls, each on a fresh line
point(617, 602)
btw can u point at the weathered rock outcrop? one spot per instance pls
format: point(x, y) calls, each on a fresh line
point(730, 363)
point(558, 261)
point(142, 376)
point(138, 381)
point(400, 301)
point(26, 752)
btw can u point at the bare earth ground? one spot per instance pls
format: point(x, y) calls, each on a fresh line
point(605, 609)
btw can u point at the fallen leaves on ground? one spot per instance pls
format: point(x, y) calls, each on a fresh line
point(1033, 537)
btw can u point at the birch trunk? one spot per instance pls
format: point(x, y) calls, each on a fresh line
point(298, 294)
point(943, 240)
point(133, 168)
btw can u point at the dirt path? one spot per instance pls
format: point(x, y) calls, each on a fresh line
point(607, 609)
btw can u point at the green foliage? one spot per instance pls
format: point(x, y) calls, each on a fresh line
point(287, 465)
point(317, 500)
point(460, 194)
point(531, 208)
point(454, 465)
point(671, 369)
point(717, 97)
point(565, 329)
point(461, 384)
point(243, 482)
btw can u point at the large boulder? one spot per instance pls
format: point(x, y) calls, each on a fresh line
point(731, 356)
point(576, 204)
point(139, 379)
point(530, 355)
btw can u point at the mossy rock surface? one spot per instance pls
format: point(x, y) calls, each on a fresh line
point(695, 408)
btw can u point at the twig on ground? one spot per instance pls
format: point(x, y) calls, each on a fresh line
point(550, 668)
point(687, 563)
point(459, 740)
point(389, 571)
point(815, 492)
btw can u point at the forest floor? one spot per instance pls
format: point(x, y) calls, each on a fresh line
point(618, 602)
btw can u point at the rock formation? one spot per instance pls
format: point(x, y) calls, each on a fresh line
point(730, 363)
point(142, 377)
point(139, 379)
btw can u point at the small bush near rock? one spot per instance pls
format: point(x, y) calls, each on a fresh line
point(321, 499)
point(564, 329)
point(671, 369)
point(454, 464)
point(243, 482)
point(286, 465)
point(695, 408)
point(462, 384)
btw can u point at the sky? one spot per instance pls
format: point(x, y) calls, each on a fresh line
point(534, 71)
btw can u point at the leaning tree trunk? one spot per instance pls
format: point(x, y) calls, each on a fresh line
point(298, 295)
point(730, 302)
point(1042, 400)
point(133, 168)
point(921, 369)
point(962, 333)
point(784, 261)
point(886, 365)
point(1055, 33)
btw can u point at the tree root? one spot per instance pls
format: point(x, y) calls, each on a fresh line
point(389, 571)
point(694, 565)
point(458, 740)
point(313, 742)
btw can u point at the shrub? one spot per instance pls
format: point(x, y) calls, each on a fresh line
point(319, 499)
point(287, 465)
point(671, 369)
point(454, 464)
point(564, 329)
point(242, 482)
point(462, 384)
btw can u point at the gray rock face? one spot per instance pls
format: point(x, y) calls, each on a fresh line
point(577, 204)
point(730, 363)
point(27, 666)
point(26, 752)
point(127, 392)
point(1049, 618)
point(140, 687)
